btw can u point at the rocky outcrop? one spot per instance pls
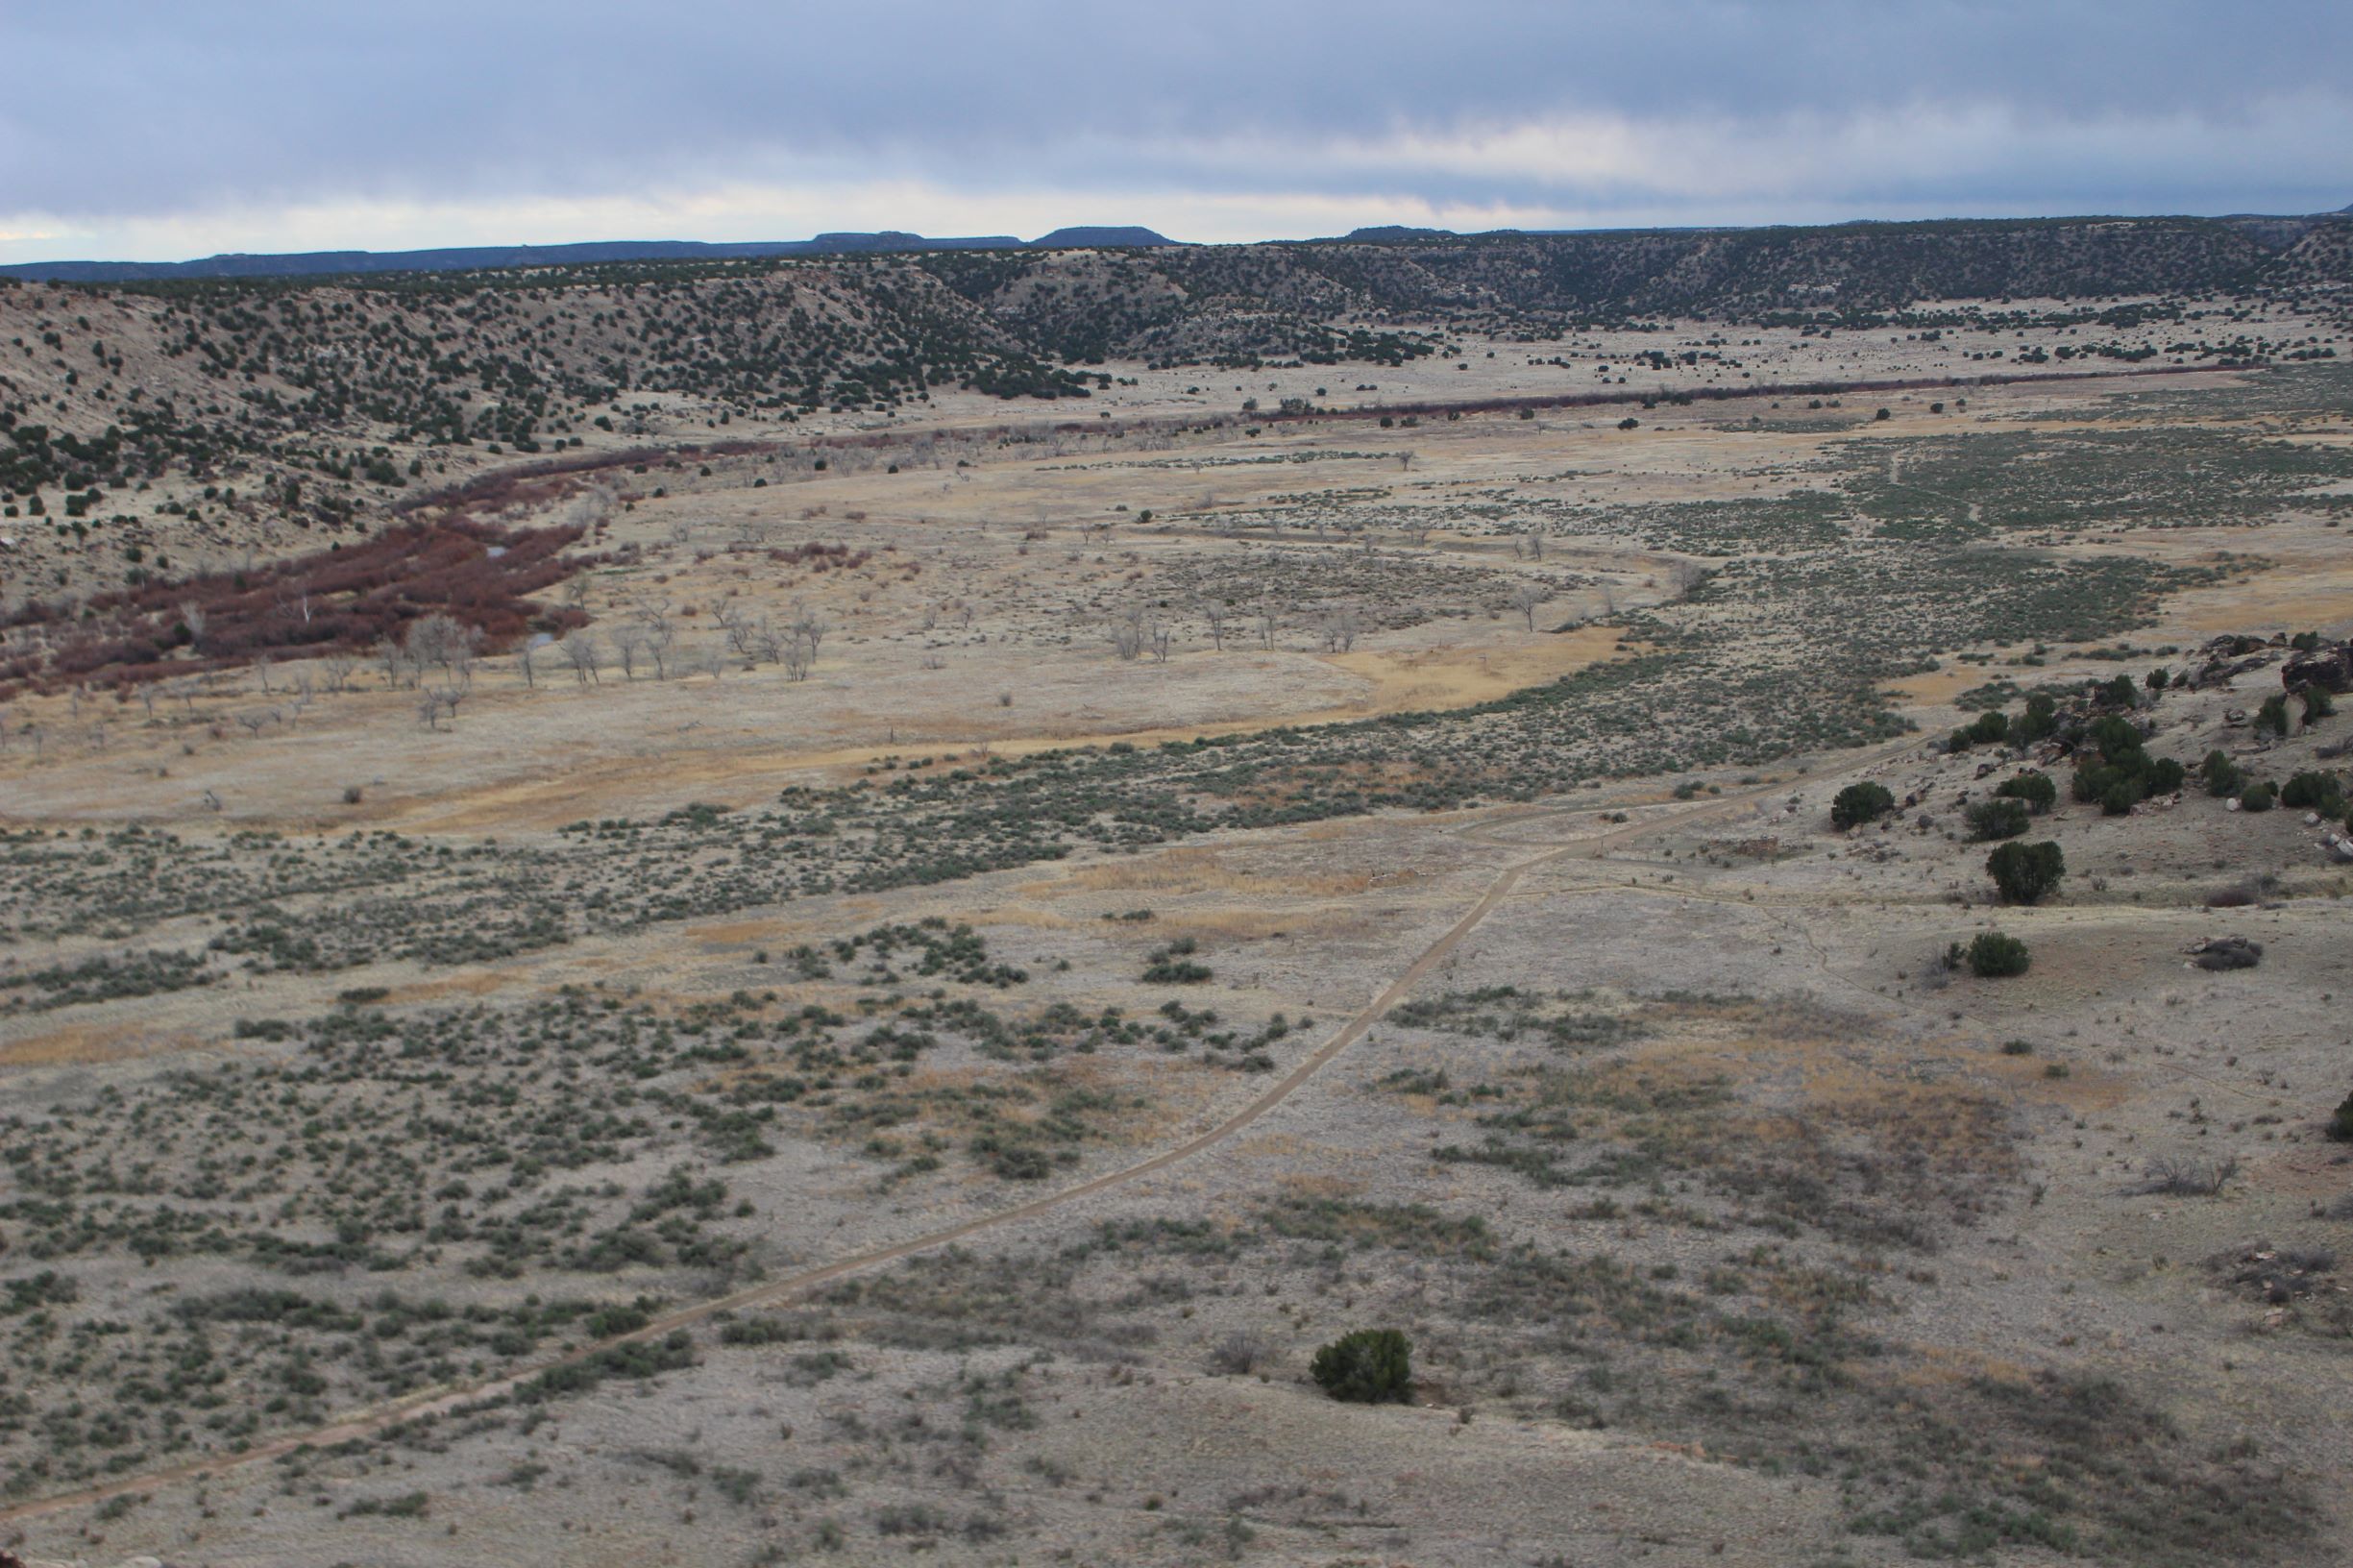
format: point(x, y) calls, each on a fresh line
point(2329, 667)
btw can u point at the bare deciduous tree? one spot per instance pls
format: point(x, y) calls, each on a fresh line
point(394, 660)
point(811, 631)
point(661, 636)
point(1127, 633)
point(1215, 611)
point(628, 644)
point(442, 639)
point(580, 652)
point(1526, 597)
point(742, 633)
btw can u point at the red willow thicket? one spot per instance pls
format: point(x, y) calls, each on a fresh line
point(822, 558)
point(304, 607)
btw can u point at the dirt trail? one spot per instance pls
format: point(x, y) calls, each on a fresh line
point(374, 1420)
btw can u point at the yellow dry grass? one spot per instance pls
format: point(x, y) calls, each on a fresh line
point(1197, 869)
point(82, 1045)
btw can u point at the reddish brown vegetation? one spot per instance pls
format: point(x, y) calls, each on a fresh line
point(342, 600)
point(819, 557)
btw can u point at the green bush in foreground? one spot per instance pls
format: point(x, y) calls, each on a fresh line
point(1860, 803)
point(2025, 872)
point(2340, 1125)
point(1993, 956)
point(1369, 1366)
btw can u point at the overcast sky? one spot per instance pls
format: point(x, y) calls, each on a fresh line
point(169, 129)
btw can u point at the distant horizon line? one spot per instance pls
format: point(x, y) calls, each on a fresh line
point(885, 241)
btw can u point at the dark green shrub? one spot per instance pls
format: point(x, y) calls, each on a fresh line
point(1991, 956)
point(1369, 1366)
point(2259, 796)
point(1998, 819)
point(2039, 722)
point(1173, 965)
point(1990, 728)
point(2318, 703)
point(2314, 791)
point(2340, 1125)
point(1860, 803)
point(2035, 789)
point(2272, 716)
point(2219, 774)
point(2025, 872)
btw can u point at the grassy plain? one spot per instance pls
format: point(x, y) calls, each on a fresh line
point(1214, 889)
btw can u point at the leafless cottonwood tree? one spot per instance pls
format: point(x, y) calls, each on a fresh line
point(338, 668)
point(579, 649)
point(810, 629)
point(522, 663)
point(393, 658)
point(1338, 628)
point(1215, 611)
point(742, 633)
point(661, 638)
point(1127, 633)
point(1526, 597)
point(628, 646)
point(443, 640)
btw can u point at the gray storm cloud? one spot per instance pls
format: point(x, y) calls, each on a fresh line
point(147, 123)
